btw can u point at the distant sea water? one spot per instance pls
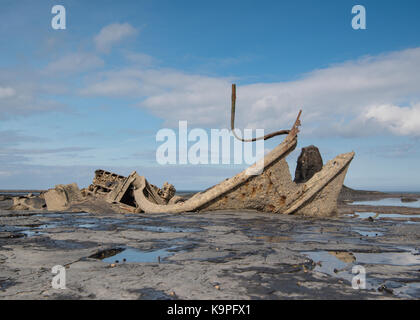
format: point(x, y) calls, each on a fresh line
point(181, 192)
point(178, 192)
point(15, 193)
point(408, 192)
point(388, 202)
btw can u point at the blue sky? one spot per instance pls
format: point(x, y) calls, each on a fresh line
point(95, 95)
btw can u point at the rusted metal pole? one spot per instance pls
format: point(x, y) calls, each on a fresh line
point(232, 122)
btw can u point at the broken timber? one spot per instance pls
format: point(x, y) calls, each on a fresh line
point(272, 190)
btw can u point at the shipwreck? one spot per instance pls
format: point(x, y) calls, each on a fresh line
point(272, 190)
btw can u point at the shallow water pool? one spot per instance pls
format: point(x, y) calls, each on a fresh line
point(405, 218)
point(388, 202)
point(129, 254)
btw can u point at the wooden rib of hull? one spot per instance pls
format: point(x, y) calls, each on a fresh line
point(270, 191)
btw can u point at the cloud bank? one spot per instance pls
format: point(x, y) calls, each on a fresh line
point(368, 96)
point(365, 96)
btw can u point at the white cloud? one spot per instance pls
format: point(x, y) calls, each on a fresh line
point(27, 100)
point(7, 92)
point(27, 92)
point(398, 120)
point(356, 98)
point(74, 63)
point(112, 34)
point(333, 99)
point(170, 94)
point(140, 59)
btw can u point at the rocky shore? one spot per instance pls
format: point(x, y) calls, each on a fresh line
point(211, 255)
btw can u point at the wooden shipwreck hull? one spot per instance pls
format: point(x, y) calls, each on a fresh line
point(272, 190)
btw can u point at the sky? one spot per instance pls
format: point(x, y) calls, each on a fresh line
point(96, 94)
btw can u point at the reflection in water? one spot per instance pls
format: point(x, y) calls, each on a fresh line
point(135, 255)
point(339, 265)
point(365, 215)
point(390, 258)
point(330, 264)
point(160, 228)
point(87, 225)
point(406, 218)
point(29, 233)
point(367, 233)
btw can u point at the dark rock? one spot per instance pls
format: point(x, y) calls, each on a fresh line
point(384, 288)
point(349, 194)
point(308, 163)
point(408, 200)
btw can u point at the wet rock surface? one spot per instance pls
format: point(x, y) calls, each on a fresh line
point(217, 255)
